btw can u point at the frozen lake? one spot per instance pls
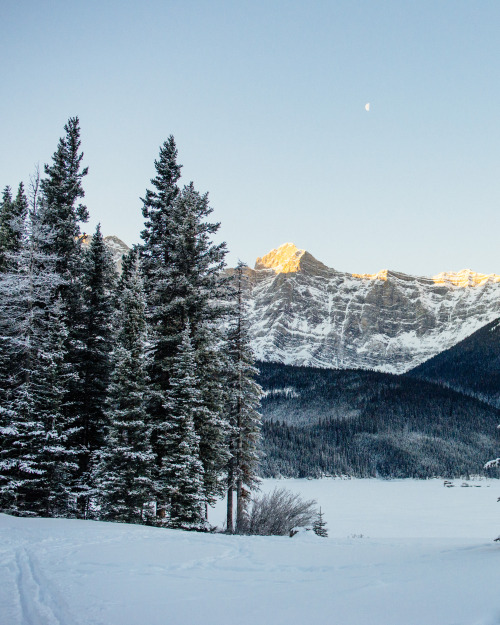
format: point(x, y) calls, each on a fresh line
point(398, 508)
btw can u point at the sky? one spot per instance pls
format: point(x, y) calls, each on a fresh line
point(266, 101)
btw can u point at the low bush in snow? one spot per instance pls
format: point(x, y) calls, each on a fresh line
point(278, 512)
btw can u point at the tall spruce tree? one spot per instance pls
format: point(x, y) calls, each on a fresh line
point(157, 211)
point(244, 419)
point(124, 473)
point(36, 466)
point(61, 192)
point(180, 478)
point(94, 356)
point(182, 281)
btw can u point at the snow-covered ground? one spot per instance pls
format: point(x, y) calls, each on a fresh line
point(399, 553)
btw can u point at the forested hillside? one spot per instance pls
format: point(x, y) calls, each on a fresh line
point(361, 423)
point(472, 366)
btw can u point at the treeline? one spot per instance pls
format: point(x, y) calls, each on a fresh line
point(122, 397)
point(368, 424)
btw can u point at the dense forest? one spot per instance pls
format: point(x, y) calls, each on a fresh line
point(471, 366)
point(367, 424)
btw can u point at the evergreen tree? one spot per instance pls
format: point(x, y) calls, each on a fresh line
point(36, 467)
point(12, 217)
point(319, 525)
point(94, 356)
point(182, 282)
point(61, 192)
point(157, 210)
point(180, 478)
point(16, 228)
point(244, 419)
point(124, 474)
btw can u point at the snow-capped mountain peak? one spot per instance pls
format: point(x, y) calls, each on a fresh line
point(305, 313)
point(288, 258)
point(283, 259)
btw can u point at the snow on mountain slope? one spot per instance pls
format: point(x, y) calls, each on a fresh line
point(304, 313)
point(66, 572)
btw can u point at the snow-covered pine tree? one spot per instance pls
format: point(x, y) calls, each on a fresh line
point(243, 401)
point(180, 478)
point(206, 307)
point(182, 282)
point(124, 473)
point(12, 217)
point(157, 211)
point(319, 525)
point(46, 464)
point(16, 279)
point(13, 214)
point(61, 192)
point(94, 355)
point(36, 467)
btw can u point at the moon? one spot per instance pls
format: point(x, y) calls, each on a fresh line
point(367, 106)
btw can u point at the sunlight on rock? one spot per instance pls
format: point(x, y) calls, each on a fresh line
point(284, 259)
point(381, 275)
point(465, 278)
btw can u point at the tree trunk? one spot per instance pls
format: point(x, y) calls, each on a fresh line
point(229, 516)
point(240, 506)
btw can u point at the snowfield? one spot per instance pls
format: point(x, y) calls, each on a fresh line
point(399, 552)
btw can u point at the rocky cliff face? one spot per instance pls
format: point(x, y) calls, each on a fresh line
point(304, 313)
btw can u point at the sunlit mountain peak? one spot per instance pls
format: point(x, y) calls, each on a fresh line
point(284, 259)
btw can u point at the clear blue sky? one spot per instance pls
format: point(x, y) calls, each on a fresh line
point(266, 100)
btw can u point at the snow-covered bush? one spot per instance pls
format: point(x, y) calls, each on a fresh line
point(277, 513)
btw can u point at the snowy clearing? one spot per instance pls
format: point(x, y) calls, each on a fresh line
point(426, 557)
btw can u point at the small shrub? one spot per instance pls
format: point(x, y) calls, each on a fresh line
point(277, 513)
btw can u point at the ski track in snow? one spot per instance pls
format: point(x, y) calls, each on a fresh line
point(35, 600)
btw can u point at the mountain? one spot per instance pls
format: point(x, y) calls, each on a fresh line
point(472, 366)
point(367, 423)
point(116, 246)
point(305, 313)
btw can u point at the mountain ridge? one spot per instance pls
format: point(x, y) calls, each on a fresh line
point(288, 258)
point(302, 312)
